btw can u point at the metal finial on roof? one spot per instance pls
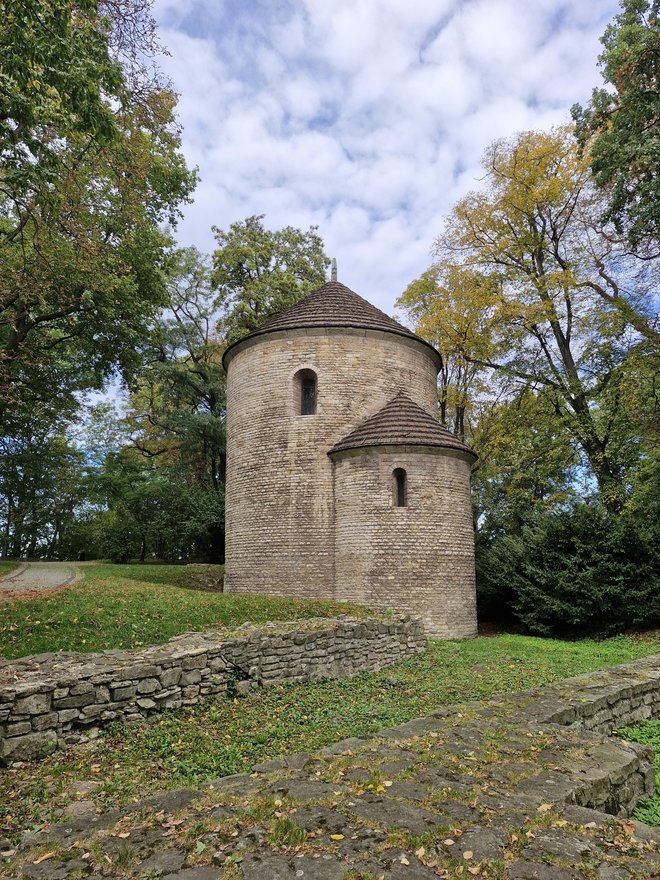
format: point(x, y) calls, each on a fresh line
point(333, 270)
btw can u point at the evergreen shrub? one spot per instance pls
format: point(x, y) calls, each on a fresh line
point(573, 573)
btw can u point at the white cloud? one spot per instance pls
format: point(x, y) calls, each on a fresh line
point(365, 117)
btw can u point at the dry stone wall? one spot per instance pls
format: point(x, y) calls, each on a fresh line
point(580, 764)
point(502, 788)
point(52, 700)
point(605, 700)
point(611, 776)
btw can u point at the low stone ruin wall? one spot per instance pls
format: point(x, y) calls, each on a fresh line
point(51, 700)
point(611, 775)
point(58, 699)
point(608, 699)
point(599, 701)
point(497, 788)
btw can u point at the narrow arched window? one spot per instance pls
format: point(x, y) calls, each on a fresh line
point(306, 391)
point(400, 487)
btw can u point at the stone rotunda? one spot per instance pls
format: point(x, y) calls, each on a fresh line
point(341, 484)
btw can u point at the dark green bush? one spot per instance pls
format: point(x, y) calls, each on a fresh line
point(575, 573)
point(494, 596)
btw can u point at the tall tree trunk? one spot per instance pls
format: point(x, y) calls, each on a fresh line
point(609, 483)
point(17, 538)
point(459, 427)
point(53, 542)
point(575, 395)
point(5, 541)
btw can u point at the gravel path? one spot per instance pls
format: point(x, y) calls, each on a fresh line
point(37, 577)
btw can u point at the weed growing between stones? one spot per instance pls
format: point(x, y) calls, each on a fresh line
point(286, 833)
point(648, 809)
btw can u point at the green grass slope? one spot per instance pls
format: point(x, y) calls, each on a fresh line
point(126, 606)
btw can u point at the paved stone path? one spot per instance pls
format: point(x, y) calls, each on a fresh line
point(486, 790)
point(39, 577)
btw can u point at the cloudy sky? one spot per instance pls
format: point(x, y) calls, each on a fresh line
point(366, 118)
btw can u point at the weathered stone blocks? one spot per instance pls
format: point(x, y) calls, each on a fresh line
point(33, 704)
point(52, 699)
point(524, 801)
point(27, 746)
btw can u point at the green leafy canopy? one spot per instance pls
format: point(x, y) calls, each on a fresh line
point(621, 123)
point(258, 272)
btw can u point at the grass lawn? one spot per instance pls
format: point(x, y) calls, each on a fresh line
point(176, 749)
point(7, 567)
point(125, 606)
point(648, 809)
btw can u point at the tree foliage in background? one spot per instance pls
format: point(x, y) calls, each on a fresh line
point(151, 513)
point(257, 272)
point(176, 414)
point(177, 407)
point(459, 329)
point(90, 169)
point(527, 466)
point(545, 322)
point(621, 124)
point(528, 291)
point(56, 74)
point(153, 478)
point(42, 484)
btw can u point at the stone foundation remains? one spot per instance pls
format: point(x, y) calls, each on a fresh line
point(512, 787)
point(52, 700)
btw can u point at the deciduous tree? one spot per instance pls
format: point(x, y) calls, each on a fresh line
point(42, 477)
point(257, 272)
point(457, 325)
point(620, 127)
point(91, 169)
point(519, 262)
point(176, 412)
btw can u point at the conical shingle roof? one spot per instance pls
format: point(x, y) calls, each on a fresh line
point(400, 423)
point(332, 305)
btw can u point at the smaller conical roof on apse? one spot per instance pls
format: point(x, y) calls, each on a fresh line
point(332, 305)
point(401, 422)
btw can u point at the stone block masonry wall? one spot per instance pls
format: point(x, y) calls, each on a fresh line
point(418, 558)
point(610, 776)
point(54, 699)
point(606, 700)
point(502, 788)
point(279, 502)
point(580, 764)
